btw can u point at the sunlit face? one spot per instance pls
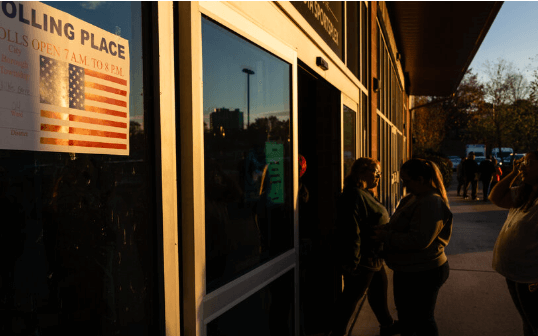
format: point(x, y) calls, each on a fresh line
point(371, 176)
point(529, 169)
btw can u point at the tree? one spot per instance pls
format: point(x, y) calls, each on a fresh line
point(428, 125)
point(524, 136)
point(504, 87)
point(529, 116)
point(499, 111)
point(442, 124)
point(463, 107)
point(533, 88)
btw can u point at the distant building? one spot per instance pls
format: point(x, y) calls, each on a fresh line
point(228, 120)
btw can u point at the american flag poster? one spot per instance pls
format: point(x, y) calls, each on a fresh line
point(65, 92)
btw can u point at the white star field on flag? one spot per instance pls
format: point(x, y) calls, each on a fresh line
point(76, 87)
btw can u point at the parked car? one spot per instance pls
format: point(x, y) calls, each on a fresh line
point(515, 157)
point(506, 153)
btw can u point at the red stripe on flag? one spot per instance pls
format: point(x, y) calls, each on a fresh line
point(54, 128)
point(105, 88)
point(107, 100)
point(52, 141)
point(105, 111)
point(97, 121)
point(84, 131)
point(54, 115)
point(80, 143)
point(105, 77)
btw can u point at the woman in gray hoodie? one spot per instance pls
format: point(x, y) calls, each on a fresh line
point(414, 242)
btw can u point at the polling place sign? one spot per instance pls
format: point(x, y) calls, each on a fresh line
point(64, 83)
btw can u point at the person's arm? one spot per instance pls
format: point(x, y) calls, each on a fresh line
point(500, 195)
point(381, 232)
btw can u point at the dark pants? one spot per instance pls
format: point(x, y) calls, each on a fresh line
point(355, 285)
point(415, 295)
point(485, 187)
point(474, 187)
point(527, 305)
point(461, 183)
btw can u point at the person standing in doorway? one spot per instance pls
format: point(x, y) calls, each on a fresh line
point(487, 169)
point(515, 255)
point(414, 243)
point(357, 254)
point(470, 174)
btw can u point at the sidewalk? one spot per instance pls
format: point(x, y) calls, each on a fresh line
point(474, 301)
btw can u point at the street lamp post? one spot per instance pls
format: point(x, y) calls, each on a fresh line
point(248, 72)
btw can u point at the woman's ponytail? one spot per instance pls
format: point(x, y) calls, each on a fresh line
point(437, 180)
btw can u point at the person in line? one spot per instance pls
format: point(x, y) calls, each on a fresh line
point(357, 254)
point(515, 255)
point(470, 174)
point(487, 169)
point(459, 175)
point(497, 175)
point(414, 243)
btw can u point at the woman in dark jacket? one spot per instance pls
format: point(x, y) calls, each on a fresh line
point(357, 254)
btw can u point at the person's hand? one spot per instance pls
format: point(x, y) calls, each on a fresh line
point(518, 163)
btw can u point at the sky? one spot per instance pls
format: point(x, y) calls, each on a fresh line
point(513, 37)
point(225, 55)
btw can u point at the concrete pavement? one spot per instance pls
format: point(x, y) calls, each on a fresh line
point(474, 301)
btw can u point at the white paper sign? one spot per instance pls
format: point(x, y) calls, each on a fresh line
point(64, 83)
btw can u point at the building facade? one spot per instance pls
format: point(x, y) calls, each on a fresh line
point(149, 162)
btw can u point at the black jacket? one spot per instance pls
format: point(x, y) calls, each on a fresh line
point(487, 168)
point(358, 212)
point(470, 168)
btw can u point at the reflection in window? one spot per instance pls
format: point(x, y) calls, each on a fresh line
point(247, 154)
point(350, 135)
point(365, 127)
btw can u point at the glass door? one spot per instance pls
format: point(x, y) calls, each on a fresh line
point(250, 179)
point(349, 134)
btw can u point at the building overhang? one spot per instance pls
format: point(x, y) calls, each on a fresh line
point(438, 40)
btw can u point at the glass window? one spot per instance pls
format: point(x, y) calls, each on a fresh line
point(365, 75)
point(247, 151)
point(379, 74)
point(353, 38)
point(267, 312)
point(79, 235)
point(350, 136)
point(365, 126)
